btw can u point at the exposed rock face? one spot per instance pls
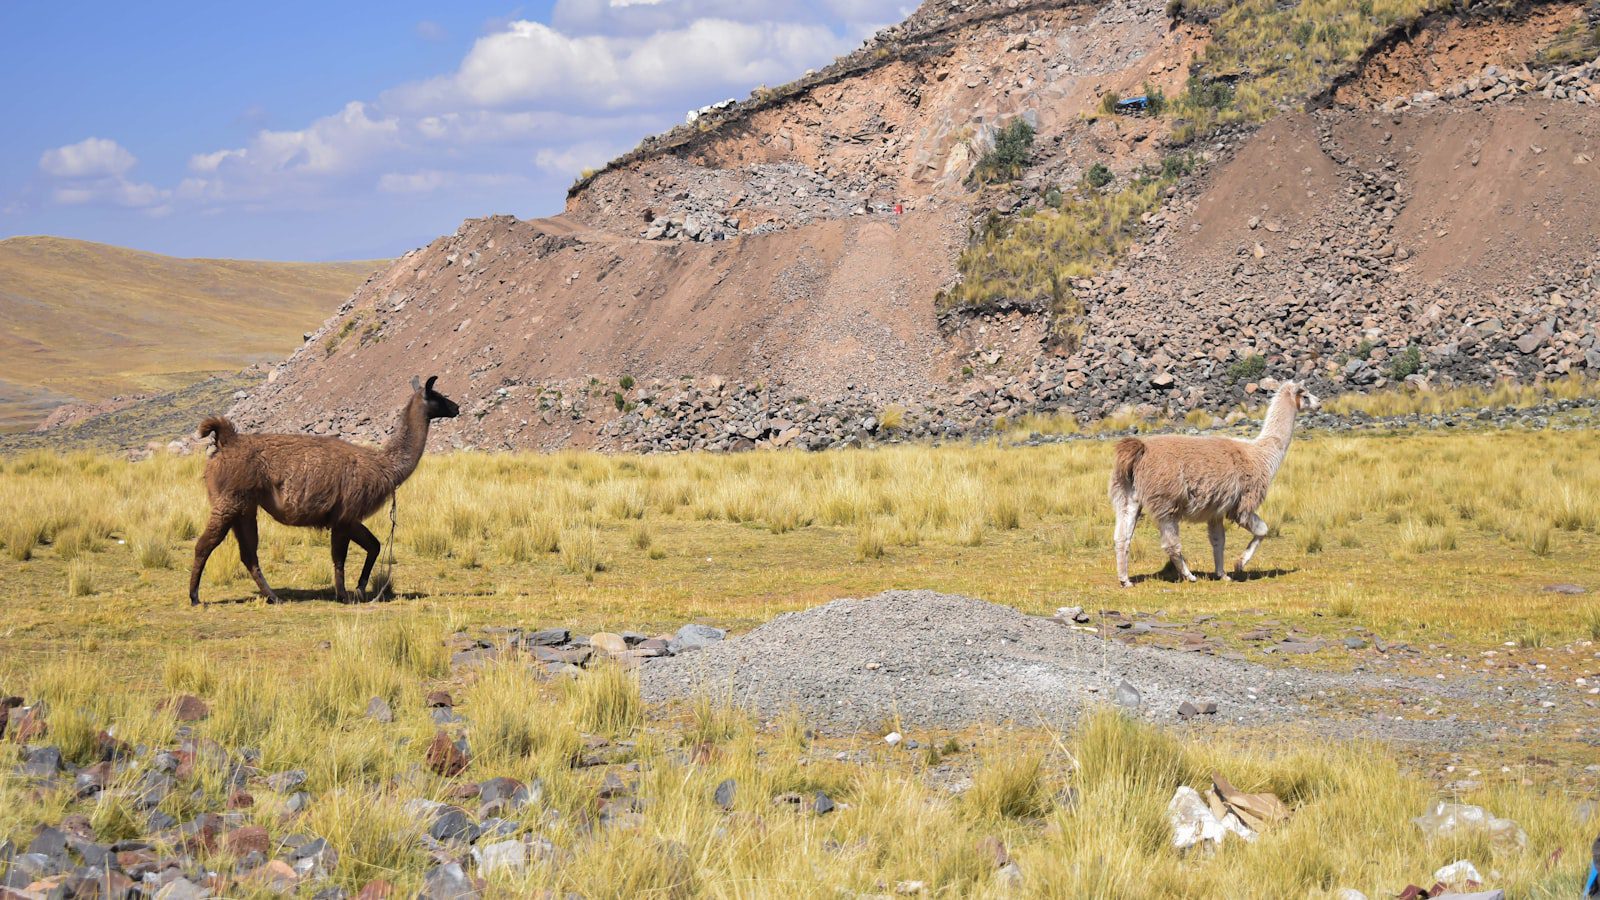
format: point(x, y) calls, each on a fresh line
point(766, 275)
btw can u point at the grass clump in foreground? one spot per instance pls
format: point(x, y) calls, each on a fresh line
point(1082, 813)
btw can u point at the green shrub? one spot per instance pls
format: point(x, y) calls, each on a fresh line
point(1012, 148)
point(1098, 176)
point(1249, 368)
point(618, 400)
point(1407, 363)
point(627, 382)
point(1109, 101)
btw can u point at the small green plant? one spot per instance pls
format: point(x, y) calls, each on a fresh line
point(618, 400)
point(1012, 147)
point(627, 382)
point(1109, 101)
point(1155, 99)
point(1249, 368)
point(1407, 363)
point(1053, 198)
point(1098, 176)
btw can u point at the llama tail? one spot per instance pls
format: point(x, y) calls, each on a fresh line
point(222, 428)
point(1129, 452)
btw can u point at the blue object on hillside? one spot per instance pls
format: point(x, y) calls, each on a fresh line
point(1133, 104)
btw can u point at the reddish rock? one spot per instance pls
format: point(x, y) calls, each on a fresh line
point(185, 707)
point(30, 727)
point(439, 698)
point(463, 792)
point(376, 889)
point(240, 800)
point(444, 757)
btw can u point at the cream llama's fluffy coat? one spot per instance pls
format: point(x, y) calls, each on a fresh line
point(1215, 480)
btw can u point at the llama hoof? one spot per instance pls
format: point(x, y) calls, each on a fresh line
point(273, 599)
point(193, 602)
point(1126, 583)
point(1223, 576)
point(1190, 578)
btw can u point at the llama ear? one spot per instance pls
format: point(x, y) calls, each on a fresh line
point(416, 385)
point(431, 380)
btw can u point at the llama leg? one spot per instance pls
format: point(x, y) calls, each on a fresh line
point(1258, 530)
point(340, 543)
point(368, 542)
point(244, 529)
point(1169, 543)
point(1127, 517)
point(1219, 542)
point(216, 529)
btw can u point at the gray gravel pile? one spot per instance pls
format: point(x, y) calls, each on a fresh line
point(941, 660)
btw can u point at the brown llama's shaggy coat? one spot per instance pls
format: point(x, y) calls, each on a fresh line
point(1216, 480)
point(313, 482)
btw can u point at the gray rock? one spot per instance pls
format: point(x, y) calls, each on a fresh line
point(451, 823)
point(1355, 643)
point(695, 637)
point(287, 782)
point(448, 882)
point(548, 637)
point(510, 857)
point(725, 793)
point(378, 709)
point(40, 762)
point(182, 889)
point(1128, 696)
point(822, 804)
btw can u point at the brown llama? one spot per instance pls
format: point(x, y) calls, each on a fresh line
point(312, 482)
point(1215, 480)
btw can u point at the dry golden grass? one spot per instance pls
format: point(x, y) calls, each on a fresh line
point(1416, 536)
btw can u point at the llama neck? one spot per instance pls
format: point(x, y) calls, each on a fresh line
point(1277, 431)
point(405, 446)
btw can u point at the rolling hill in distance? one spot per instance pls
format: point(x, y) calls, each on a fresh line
point(87, 322)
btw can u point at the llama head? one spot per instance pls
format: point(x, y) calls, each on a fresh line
point(438, 405)
point(1299, 396)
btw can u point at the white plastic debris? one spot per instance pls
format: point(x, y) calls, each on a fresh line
point(892, 738)
point(1446, 819)
point(1458, 873)
point(1193, 822)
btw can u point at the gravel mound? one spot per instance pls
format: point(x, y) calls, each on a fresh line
point(942, 660)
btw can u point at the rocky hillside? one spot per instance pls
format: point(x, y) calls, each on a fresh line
point(88, 322)
point(848, 257)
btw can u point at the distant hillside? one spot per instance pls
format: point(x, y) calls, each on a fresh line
point(88, 321)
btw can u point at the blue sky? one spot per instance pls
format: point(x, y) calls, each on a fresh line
point(298, 130)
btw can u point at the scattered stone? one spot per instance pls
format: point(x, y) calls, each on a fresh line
point(510, 857)
point(448, 882)
point(697, 637)
point(444, 757)
point(1572, 589)
point(438, 699)
point(823, 804)
point(287, 782)
point(1128, 696)
point(608, 642)
point(378, 710)
point(725, 792)
point(549, 637)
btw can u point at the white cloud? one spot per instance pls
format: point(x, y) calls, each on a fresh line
point(89, 158)
point(210, 162)
point(94, 172)
point(531, 64)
